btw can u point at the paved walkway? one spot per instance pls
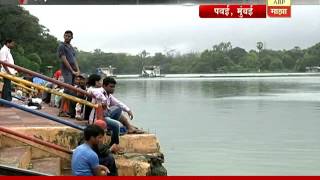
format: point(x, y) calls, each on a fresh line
point(11, 117)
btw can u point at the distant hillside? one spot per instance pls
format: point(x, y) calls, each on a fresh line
point(36, 48)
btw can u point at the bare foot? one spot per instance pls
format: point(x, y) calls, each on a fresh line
point(116, 149)
point(135, 131)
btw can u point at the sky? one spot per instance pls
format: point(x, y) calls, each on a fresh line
point(160, 28)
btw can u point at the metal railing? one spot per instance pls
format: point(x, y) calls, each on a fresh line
point(49, 90)
point(99, 109)
point(19, 81)
point(38, 141)
point(54, 81)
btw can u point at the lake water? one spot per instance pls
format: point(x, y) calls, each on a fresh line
point(230, 126)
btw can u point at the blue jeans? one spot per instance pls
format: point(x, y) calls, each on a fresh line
point(114, 125)
point(110, 163)
point(114, 112)
point(68, 78)
point(6, 90)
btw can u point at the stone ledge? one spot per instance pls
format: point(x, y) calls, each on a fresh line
point(142, 157)
point(69, 138)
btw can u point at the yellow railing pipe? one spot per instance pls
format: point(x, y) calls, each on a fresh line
point(23, 86)
point(49, 90)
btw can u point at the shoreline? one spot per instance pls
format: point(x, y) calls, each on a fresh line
point(226, 75)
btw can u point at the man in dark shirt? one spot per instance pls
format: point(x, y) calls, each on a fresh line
point(69, 68)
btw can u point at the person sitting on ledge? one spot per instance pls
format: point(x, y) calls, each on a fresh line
point(114, 107)
point(85, 161)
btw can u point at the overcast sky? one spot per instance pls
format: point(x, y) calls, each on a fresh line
point(131, 29)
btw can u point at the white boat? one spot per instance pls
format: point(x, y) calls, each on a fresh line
point(106, 71)
point(151, 71)
point(313, 69)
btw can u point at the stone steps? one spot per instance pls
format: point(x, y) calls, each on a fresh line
point(18, 157)
point(50, 166)
point(25, 156)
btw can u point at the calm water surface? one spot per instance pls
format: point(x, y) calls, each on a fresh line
point(230, 126)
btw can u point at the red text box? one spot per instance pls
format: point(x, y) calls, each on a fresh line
point(232, 11)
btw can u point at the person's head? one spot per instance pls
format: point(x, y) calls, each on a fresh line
point(94, 80)
point(9, 43)
point(93, 135)
point(109, 84)
point(101, 123)
point(77, 80)
point(57, 74)
point(68, 35)
point(82, 81)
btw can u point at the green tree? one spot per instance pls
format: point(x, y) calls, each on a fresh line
point(236, 54)
point(34, 57)
point(276, 64)
point(250, 61)
point(34, 43)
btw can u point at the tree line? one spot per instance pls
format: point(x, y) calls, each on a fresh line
point(221, 58)
point(37, 49)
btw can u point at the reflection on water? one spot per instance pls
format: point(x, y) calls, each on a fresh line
point(225, 126)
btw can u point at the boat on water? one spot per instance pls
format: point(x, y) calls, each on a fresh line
point(313, 69)
point(106, 71)
point(151, 71)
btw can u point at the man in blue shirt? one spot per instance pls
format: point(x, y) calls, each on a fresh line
point(85, 161)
